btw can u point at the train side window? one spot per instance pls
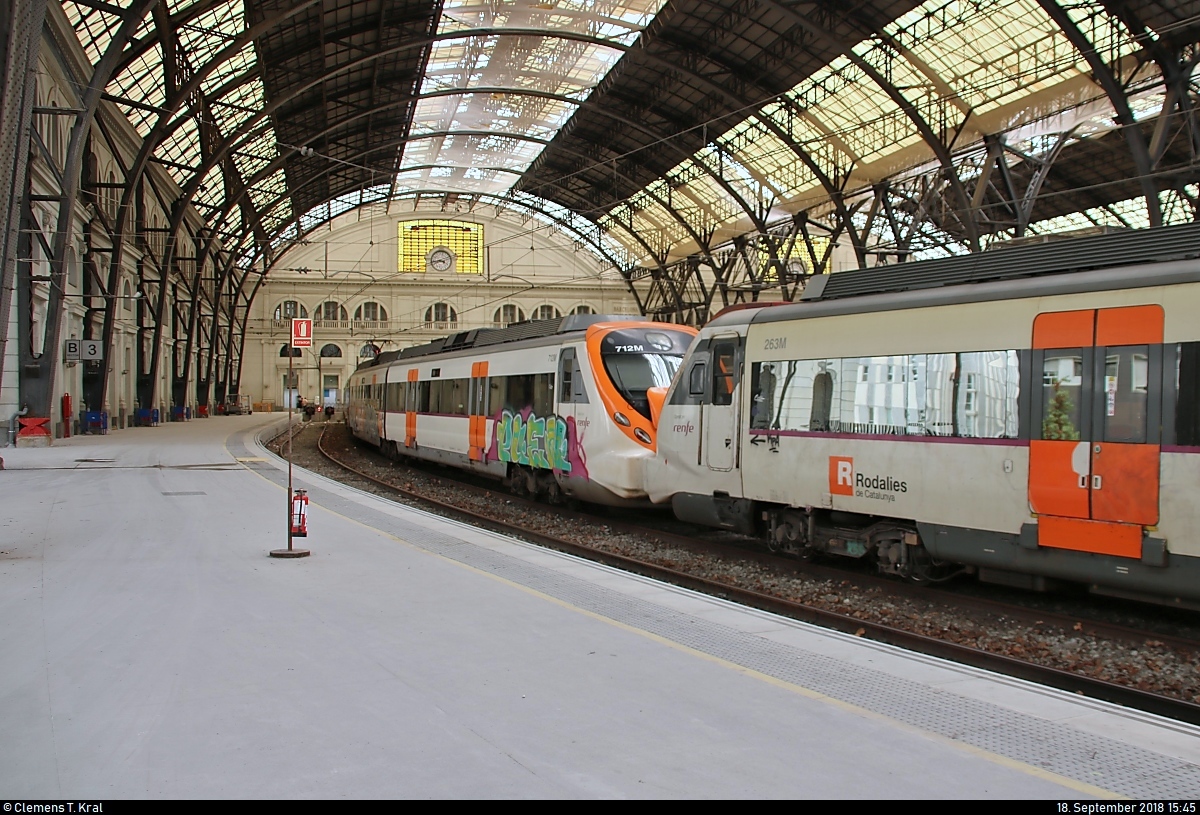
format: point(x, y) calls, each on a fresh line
point(697, 379)
point(1187, 394)
point(724, 369)
point(570, 379)
point(762, 404)
point(543, 395)
point(498, 396)
point(1062, 394)
point(1126, 393)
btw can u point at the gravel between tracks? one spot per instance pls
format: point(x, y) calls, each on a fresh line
point(1150, 666)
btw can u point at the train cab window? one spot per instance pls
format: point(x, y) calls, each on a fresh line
point(698, 379)
point(1187, 394)
point(724, 356)
point(1062, 391)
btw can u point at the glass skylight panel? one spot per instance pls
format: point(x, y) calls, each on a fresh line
point(213, 30)
point(182, 147)
point(237, 107)
point(254, 156)
point(142, 82)
point(212, 189)
point(95, 27)
point(566, 68)
point(244, 61)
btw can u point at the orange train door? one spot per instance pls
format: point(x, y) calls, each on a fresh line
point(477, 399)
point(1094, 456)
point(411, 396)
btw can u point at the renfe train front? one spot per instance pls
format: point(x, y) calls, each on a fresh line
point(556, 408)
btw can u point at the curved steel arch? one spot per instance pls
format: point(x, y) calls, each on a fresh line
point(164, 127)
point(280, 161)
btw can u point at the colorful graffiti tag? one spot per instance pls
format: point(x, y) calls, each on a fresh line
point(536, 441)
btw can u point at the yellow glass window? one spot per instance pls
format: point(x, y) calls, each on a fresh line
point(424, 244)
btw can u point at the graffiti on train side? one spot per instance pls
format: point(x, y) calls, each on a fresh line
point(548, 442)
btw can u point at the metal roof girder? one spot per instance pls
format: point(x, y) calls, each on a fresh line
point(1118, 98)
point(80, 132)
point(910, 109)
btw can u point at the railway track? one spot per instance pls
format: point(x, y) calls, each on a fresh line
point(846, 622)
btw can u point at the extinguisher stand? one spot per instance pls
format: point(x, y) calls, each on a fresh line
point(290, 551)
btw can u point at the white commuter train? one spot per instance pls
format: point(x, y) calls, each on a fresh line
point(556, 408)
point(1030, 416)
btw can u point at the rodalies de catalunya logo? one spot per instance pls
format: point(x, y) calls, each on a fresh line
point(843, 480)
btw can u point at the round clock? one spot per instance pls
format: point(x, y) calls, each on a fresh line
point(440, 259)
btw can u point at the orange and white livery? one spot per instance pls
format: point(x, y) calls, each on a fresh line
point(556, 408)
point(1024, 428)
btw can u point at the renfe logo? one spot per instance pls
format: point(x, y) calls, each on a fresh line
point(841, 475)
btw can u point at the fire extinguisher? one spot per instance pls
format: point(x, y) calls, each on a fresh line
point(66, 415)
point(300, 514)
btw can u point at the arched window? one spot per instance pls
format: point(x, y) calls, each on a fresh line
point(583, 310)
point(507, 315)
point(369, 350)
point(332, 310)
point(127, 297)
point(370, 313)
point(283, 350)
point(290, 310)
point(331, 350)
point(56, 136)
point(441, 315)
point(112, 196)
point(546, 313)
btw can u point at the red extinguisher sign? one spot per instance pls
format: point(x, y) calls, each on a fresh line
point(300, 514)
point(302, 336)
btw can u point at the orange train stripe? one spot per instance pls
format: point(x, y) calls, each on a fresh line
point(1132, 325)
point(1063, 329)
point(1100, 537)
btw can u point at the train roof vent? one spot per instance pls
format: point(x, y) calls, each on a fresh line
point(463, 339)
point(1133, 247)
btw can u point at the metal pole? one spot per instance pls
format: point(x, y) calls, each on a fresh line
point(289, 551)
point(291, 404)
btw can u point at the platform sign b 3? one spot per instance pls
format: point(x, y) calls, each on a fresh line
point(75, 350)
point(302, 333)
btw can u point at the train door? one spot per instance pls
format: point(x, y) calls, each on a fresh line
point(1094, 456)
point(718, 414)
point(478, 400)
point(411, 395)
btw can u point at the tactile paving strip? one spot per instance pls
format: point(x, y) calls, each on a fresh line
point(1052, 746)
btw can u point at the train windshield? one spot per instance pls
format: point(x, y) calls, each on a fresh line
point(636, 361)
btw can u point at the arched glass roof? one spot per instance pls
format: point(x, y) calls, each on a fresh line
point(666, 128)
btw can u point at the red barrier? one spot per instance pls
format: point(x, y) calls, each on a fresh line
point(31, 428)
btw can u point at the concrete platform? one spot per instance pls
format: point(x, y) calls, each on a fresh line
point(151, 649)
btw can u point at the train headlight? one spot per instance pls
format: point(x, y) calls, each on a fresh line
point(621, 419)
point(642, 436)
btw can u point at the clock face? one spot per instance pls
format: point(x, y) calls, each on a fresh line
point(441, 259)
